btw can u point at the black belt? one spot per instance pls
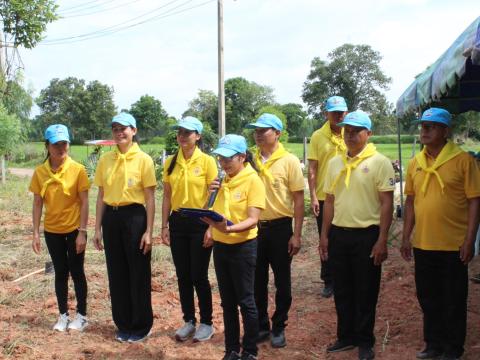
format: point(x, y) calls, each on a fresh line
point(264, 224)
point(123, 207)
point(343, 228)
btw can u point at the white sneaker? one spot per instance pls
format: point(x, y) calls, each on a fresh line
point(185, 331)
point(79, 323)
point(62, 323)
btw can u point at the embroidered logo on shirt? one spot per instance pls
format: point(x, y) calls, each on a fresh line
point(365, 169)
point(130, 182)
point(237, 195)
point(197, 170)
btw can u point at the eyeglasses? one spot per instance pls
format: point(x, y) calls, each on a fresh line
point(221, 158)
point(431, 126)
point(185, 132)
point(116, 129)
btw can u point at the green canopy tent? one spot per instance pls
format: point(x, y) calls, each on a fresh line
point(452, 82)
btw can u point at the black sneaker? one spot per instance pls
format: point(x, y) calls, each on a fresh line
point(232, 355)
point(365, 353)
point(122, 336)
point(327, 291)
point(338, 346)
point(277, 339)
point(263, 335)
point(248, 356)
point(429, 353)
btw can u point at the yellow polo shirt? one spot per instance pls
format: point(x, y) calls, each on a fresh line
point(359, 205)
point(250, 192)
point(322, 150)
point(201, 171)
point(62, 211)
point(125, 176)
point(441, 218)
point(288, 178)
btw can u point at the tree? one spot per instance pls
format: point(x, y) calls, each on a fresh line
point(25, 21)
point(296, 119)
point(467, 125)
point(150, 115)
point(205, 108)
point(10, 136)
point(354, 73)
point(243, 100)
point(86, 109)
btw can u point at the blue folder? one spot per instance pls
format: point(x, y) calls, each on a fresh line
point(198, 213)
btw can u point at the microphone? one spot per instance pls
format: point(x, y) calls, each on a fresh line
point(214, 194)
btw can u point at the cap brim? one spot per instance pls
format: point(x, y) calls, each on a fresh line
point(124, 123)
point(337, 108)
point(188, 127)
point(430, 120)
point(225, 152)
point(352, 123)
point(258, 125)
point(56, 139)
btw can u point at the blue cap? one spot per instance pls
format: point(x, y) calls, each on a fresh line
point(357, 118)
point(56, 133)
point(230, 145)
point(189, 123)
point(336, 103)
point(125, 119)
point(266, 120)
point(437, 115)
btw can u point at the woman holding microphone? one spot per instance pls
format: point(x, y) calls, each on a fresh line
point(186, 178)
point(61, 184)
point(240, 199)
point(125, 212)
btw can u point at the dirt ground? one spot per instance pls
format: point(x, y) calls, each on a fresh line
point(28, 309)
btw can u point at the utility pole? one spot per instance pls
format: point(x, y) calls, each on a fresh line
point(221, 82)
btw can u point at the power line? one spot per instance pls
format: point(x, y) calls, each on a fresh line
point(100, 11)
point(116, 28)
point(113, 26)
point(84, 6)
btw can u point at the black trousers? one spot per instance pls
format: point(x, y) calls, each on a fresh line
point(191, 261)
point(235, 269)
point(129, 272)
point(272, 251)
point(62, 249)
point(356, 283)
point(442, 289)
point(325, 270)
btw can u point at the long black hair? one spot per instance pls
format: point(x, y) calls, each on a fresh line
point(249, 158)
point(46, 147)
point(200, 145)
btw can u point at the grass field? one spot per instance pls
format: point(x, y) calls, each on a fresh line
point(80, 152)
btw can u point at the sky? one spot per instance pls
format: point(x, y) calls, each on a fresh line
point(271, 42)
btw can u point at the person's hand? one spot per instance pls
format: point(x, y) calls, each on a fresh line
point(36, 244)
point(166, 236)
point(214, 185)
point(207, 239)
point(315, 205)
point(219, 225)
point(406, 250)
point(323, 248)
point(379, 252)
point(146, 243)
point(97, 240)
point(466, 252)
point(294, 245)
point(81, 242)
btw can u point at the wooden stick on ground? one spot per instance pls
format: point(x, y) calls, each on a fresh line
point(30, 274)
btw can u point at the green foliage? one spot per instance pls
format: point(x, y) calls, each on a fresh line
point(467, 125)
point(10, 131)
point(205, 108)
point(150, 115)
point(86, 109)
point(156, 140)
point(392, 139)
point(352, 72)
point(298, 123)
point(243, 100)
point(24, 21)
point(26, 153)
